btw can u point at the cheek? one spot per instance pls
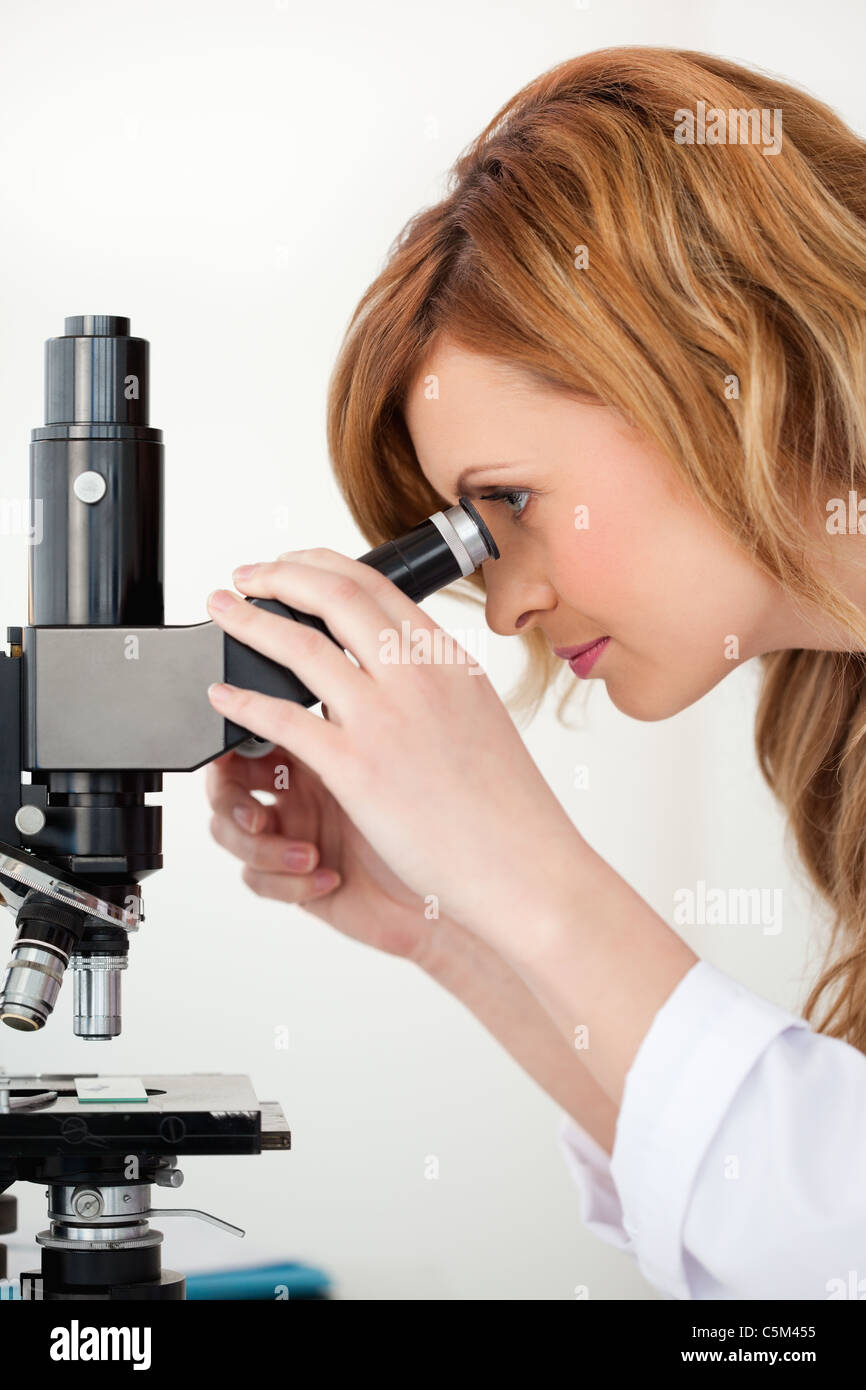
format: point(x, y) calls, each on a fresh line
point(706, 593)
point(610, 542)
point(610, 567)
point(666, 585)
point(587, 571)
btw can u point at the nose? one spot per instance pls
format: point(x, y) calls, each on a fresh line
point(519, 595)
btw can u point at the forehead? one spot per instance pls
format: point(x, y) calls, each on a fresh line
point(453, 374)
point(461, 401)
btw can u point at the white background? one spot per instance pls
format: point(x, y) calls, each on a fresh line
point(229, 175)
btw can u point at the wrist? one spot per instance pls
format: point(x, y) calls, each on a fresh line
point(456, 958)
point(431, 953)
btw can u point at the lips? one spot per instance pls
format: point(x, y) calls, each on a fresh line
point(567, 653)
point(582, 659)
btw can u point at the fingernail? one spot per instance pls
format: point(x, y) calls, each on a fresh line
point(246, 816)
point(325, 878)
point(243, 571)
point(298, 858)
point(221, 599)
point(220, 692)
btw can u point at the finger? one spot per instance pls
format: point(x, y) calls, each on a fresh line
point(221, 773)
point(288, 815)
point(308, 653)
point(291, 888)
point(385, 592)
point(351, 613)
point(266, 852)
point(232, 800)
point(317, 742)
point(278, 771)
point(358, 604)
point(232, 775)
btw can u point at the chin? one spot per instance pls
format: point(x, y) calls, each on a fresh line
point(651, 702)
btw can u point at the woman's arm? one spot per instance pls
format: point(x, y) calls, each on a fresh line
point(372, 906)
point(597, 957)
point(476, 975)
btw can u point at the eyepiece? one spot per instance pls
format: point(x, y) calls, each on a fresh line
point(466, 535)
point(449, 545)
point(492, 547)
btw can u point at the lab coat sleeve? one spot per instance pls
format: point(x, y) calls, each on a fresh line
point(739, 1153)
point(589, 1165)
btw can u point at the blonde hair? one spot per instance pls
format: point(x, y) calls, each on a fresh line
point(705, 262)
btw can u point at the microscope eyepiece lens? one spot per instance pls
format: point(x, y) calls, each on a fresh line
point(449, 545)
point(492, 547)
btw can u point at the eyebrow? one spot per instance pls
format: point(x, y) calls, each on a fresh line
point(464, 487)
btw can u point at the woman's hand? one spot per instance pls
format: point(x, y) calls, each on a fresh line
point(425, 764)
point(371, 905)
point(361, 897)
point(424, 760)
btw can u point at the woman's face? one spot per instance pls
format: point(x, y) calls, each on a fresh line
point(597, 537)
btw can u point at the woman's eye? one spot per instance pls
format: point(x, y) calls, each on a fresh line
point(517, 498)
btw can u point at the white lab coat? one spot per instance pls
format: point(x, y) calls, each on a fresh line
point(739, 1163)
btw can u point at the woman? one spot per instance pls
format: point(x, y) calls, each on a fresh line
point(638, 343)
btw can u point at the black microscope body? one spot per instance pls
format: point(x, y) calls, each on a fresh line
point(98, 699)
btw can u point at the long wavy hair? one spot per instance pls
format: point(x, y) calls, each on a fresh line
point(705, 262)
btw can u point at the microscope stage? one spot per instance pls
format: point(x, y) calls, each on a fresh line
point(198, 1113)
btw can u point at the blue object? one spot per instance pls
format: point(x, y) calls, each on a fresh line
point(267, 1282)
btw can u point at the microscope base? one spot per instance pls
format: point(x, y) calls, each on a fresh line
point(99, 1160)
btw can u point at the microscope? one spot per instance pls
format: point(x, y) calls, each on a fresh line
point(98, 699)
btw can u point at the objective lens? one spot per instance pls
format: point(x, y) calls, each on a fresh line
point(96, 995)
point(48, 932)
point(31, 986)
